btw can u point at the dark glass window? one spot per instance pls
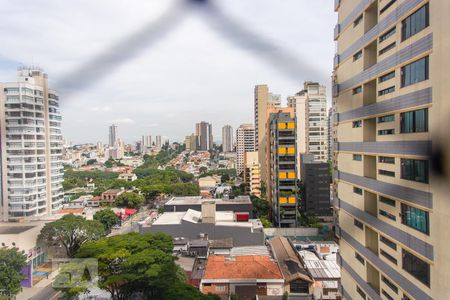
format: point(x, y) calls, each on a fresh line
point(416, 267)
point(415, 218)
point(386, 77)
point(386, 91)
point(357, 124)
point(389, 283)
point(386, 49)
point(357, 90)
point(357, 157)
point(386, 7)
point(357, 190)
point(388, 34)
point(386, 160)
point(386, 132)
point(414, 121)
point(359, 258)
point(415, 72)
point(416, 22)
point(388, 243)
point(386, 173)
point(415, 170)
point(388, 256)
point(361, 293)
point(358, 20)
point(387, 201)
point(357, 55)
point(358, 224)
point(386, 295)
point(387, 215)
point(385, 119)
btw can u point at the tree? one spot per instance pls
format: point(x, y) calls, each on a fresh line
point(11, 263)
point(107, 217)
point(224, 178)
point(129, 199)
point(265, 222)
point(185, 291)
point(91, 161)
point(71, 232)
point(203, 169)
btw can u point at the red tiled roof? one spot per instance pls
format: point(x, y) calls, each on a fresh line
point(71, 211)
point(242, 267)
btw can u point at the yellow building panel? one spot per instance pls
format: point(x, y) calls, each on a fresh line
point(281, 125)
point(282, 175)
point(291, 150)
point(291, 200)
point(283, 200)
point(291, 175)
point(282, 150)
point(291, 125)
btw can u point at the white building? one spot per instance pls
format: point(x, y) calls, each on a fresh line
point(310, 106)
point(245, 142)
point(112, 135)
point(227, 138)
point(31, 172)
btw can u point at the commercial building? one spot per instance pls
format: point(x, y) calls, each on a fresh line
point(310, 107)
point(252, 174)
point(390, 96)
point(203, 131)
point(227, 138)
point(245, 142)
point(263, 101)
point(112, 135)
point(282, 171)
point(316, 179)
point(31, 170)
point(238, 204)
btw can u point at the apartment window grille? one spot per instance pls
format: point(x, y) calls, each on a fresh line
point(386, 295)
point(414, 121)
point(360, 258)
point(386, 132)
point(387, 215)
point(415, 72)
point(357, 157)
point(387, 201)
point(416, 22)
point(386, 173)
point(361, 293)
point(357, 190)
point(414, 170)
point(386, 49)
point(415, 218)
point(389, 283)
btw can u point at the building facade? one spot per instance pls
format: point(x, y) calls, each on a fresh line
point(310, 106)
point(245, 142)
point(227, 138)
point(112, 135)
point(31, 147)
point(158, 141)
point(282, 171)
point(252, 174)
point(203, 131)
point(390, 95)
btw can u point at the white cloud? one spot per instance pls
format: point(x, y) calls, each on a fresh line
point(122, 121)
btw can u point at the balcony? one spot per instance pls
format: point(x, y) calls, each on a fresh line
point(337, 3)
point(337, 31)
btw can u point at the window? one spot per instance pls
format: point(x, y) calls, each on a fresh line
point(386, 160)
point(360, 292)
point(386, 173)
point(357, 124)
point(359, 258)
point(416, 22)
point(357, 55)
point(386, 295)
point(388, 243)
point(387, 201)
point(386, 91)
point(415, 218)
point(358, 20)
point(416, 267)
point(359, 224)
point(220, 287)
point(386, 7)
point(386, 49)
point(206, 284)
point(357, 190)
point(388, 34)
point(386, 132)
point(357, 90)
point(415, 170)
point(389, 283)
point(387, 215)
point(386, 77)
point(386, 119)
point(415, 72)
point(414, 121)
point(388, 256)
point(357, 157)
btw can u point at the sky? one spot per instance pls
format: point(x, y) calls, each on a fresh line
point(158, 67)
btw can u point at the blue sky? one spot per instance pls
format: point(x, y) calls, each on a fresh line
point(190, 74)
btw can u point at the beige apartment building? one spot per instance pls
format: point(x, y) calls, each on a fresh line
point(252, 174)
point(391, 85)
point(245, 142)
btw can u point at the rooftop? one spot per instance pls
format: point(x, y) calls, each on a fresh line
point(241, 267)
point(198, 200)
point(194, 216)
point(323, 269)
point(14, 229)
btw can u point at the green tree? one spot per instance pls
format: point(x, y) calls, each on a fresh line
point(129, 199)
point(91, 161)
point(224, 178)
point(11, 263)
point(185, 291)
point(107, 217)
point(265, 222)
point(203, 170)
point(71, 232)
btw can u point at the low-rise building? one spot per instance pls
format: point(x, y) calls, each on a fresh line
point(112, 194)
point(238, 204)
point(245, 276)
point(207, 182)
point(127, 176)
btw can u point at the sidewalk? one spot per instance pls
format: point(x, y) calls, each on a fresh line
point(27, 293)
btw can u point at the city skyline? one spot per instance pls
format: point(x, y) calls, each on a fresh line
point(150, 104)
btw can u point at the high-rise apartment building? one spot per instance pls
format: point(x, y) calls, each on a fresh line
point(227, 138)
point(245, 142)
point(112, 135)
point(263, 101)
point(158, 141)
point(203, 131)
point(310, 106)
point(252, 174)
point(191, 142)
point(390, 97)
point(282, 171)
point(31, 170)
point(330, 134)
